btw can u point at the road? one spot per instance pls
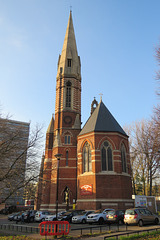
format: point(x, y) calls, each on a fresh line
point(87, 228)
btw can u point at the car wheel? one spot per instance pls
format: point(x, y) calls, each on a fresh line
point(140, 223)
point(101, 221)
point(83, 221)
point(156, 221)
point(43, 219)
point(120, 222)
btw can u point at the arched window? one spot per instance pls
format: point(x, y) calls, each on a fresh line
point(87, 161)
point(68, 94)
point(67, 158)
point(106, 157)
point(123, 158)
point(67, 139)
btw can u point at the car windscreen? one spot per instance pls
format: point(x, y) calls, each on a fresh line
point(98, 211)
point(111, 213)
point(129, 212)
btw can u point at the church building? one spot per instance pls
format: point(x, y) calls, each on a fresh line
point(91, 165)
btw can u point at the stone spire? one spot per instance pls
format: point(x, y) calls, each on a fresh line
point(51, 126)
point(69, 61)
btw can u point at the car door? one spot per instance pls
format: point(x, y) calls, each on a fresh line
point(150, 217)
point(143, 215)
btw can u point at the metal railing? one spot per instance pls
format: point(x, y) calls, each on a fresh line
point(117, 236)
point(121, 229)
point(19, 228)
point(101, 228)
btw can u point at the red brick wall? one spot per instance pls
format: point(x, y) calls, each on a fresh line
point(107, 186)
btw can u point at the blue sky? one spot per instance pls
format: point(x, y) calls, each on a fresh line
point(116, 42)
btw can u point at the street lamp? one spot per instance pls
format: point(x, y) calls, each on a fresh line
point(58, 156)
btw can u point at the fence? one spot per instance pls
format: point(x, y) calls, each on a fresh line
point(19, 228)
point(101, 228)
point(130, 233)
point(82, 230)
point(50, 228)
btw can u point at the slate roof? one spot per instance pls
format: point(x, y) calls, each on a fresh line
point(101, 120)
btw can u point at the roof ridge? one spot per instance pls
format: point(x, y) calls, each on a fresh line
point(102, 121)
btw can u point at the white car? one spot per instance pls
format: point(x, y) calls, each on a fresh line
point(53, 217)
point(41, 215)
point(99, 216)
point(81, 218)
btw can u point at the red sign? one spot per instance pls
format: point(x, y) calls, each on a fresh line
point(86, 189)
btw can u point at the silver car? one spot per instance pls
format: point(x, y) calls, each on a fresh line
point(53, 216)
point(98, 216)
point(40, 216)
point(140, 216)
point(81, 218)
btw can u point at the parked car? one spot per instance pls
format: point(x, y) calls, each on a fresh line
point(99, 216)
point(140, 216)
point(29, 215)
point(68, 215)
point(8, 210)
point(115, 216)
point(41, 215)
point(82, 217)
point(53, 217)
point(18, 217)
point(11, 217)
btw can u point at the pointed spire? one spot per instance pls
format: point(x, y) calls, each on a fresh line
point(57, 140)
point(77, 123)
point(51, 126)
point(69, 52)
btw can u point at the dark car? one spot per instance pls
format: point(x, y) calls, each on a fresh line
point(29, 215)
point(8, 210)
point(115, 216)
point(68, 215)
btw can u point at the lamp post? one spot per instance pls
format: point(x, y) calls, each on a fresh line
point(58, 156)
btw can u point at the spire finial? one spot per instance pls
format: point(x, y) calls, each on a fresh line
point(101, 94)
point(71, 9)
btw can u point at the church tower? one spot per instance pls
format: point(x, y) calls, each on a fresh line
point(92, 165)
point(61, 137)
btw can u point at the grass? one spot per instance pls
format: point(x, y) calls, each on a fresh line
point(155, 235)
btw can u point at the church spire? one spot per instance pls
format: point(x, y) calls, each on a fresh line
point(69, 61)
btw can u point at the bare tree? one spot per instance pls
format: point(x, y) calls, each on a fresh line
point(18, 158)
point(144, 145)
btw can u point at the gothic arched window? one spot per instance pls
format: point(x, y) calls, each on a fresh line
point(67, 139)
point(87, 161)
point(106, 157)
point(68, 94)
point(123, 158)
